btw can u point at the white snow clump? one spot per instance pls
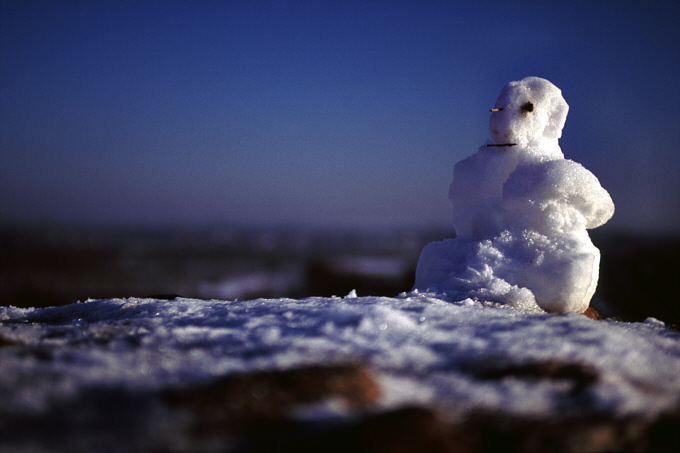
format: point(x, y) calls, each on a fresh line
point(521, 211)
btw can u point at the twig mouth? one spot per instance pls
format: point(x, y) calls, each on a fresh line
point(501, 145)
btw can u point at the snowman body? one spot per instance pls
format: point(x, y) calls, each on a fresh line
point(521, 212)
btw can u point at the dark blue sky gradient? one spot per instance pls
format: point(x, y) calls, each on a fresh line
point(323, 113)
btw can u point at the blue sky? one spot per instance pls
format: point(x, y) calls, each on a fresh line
point(323, 113)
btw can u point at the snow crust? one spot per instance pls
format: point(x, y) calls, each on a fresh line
point(521, 211)
point(422, 349)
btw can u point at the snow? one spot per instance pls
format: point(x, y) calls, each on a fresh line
point(492, 324)
point(521, 212)
point(422, 349)
point(259, 281)
point(371, 266)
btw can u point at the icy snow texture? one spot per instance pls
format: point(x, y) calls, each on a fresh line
point(422, 350)
point(521, 212)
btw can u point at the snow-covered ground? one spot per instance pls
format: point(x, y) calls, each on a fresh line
point(454, 356)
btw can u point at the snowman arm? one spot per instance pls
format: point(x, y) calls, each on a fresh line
point(561, 187)
point(577, 188)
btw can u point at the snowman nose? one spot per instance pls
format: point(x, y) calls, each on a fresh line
point(497, 110)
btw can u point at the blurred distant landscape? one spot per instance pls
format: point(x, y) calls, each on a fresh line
point(56, 265)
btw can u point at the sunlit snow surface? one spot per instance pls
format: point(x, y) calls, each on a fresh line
point(422, 350)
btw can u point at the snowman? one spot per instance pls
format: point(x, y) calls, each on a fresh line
point(521, 213)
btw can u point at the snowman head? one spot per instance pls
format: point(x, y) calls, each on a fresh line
point(527, 112)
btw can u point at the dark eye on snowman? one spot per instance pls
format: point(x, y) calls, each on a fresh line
point(528, 107)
